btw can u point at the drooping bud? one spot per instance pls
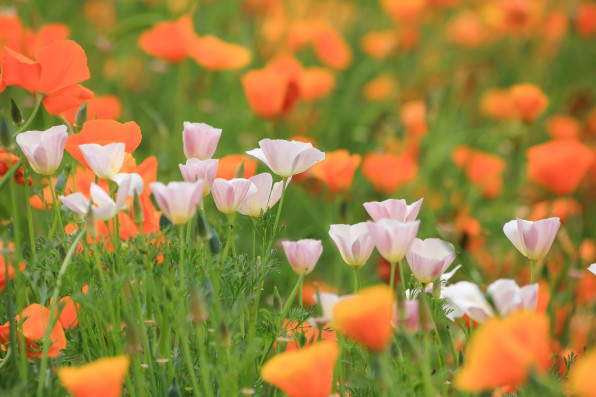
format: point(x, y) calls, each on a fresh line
point(81, 116)
point(137, 210)
point(214, 243)
point(5, 138)
point(60, 183)
point(15, 113)
point(203, 229)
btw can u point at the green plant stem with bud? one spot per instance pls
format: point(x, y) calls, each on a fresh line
point(38, 99)
point(28, 207)
point(55, 207)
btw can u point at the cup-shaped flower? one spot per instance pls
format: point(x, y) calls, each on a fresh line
point(229, 195)
point(428, 259)
point(393, 238)
point(200, 140)
point(393, 209)
point(306, 372)
point(106, 161)
point(100, 378)
point(532, 239)
point(101, 204)
point(178, 200)
point(366, 318)
point(303, 254)
point(353, 242)
point(507, 296)
point(44, 149)
point(287, 158)
point(268, 193)
point(200, 169)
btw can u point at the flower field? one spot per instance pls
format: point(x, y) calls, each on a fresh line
point(298, 198)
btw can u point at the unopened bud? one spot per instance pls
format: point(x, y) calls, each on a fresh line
point(173, 390)
point(60, 183)
point(164, 223)
point(90, 224)
point(240, 170)
point(214, 243)
point(124, 248)
point(81, 116)
point(225, 335)
point(203, 229)
point(137, 210)
point(5, 138)
point(198, 313)
point(15, 113)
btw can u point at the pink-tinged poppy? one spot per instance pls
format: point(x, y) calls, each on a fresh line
point(353, 242)
point(268, 193)
point(178, 200)
point(287, 158)
point(44, 149)
point(393, 238)
point(229, 195)
point(303, 254)
point(200, 140)
point(393, 209)
point(195, 169)
point(430, 258)
point(532, 239)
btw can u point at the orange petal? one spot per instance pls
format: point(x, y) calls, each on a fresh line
point(101, 378)
point(20, 71)
point(63, 64)
point(67, 98)
point(215, 54)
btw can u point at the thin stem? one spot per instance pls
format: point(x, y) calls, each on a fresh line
point(181, 242)
point(224, 255)
point(28, 206)
point(533, 269)
point(402, 277)
point(55, 207)
point(53, 318)
point(7, 357)
point(392, 276)
point(356, 278)
point(276, 223)
point(291, 297)
point(38, 99)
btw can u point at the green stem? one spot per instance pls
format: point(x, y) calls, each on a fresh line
point(38, 99)
point(276, 223)
point(55, 207)
point(533, 269)
point(291, 297)
point(403, 279)
point(181, 242)
point(8, 175)
point(392, 276)
point(7, 357)
point(28, 206)
point(52, 318)
point(224, 255)
point(356, 278)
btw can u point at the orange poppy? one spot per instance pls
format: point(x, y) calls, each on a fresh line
point(556, 26)
point(315, 82)
point(381, 88)
point(33, 329)
point(581, 380)
point(379, 44)
point(585, 20)
point(68, 315)
point(98, 107)
point(503, 351)
point(54, 74)
point(306, 372)
point(103, 132)
point(12, 31)
point(484, 170)
point(11, 273)
point(528, 101)
point(7, 161)
point(559, 165)
point(560, 126)
point(498, 104)
point(413, 118)
point(337, 170)
point(215, 54)
point(366, 318)
point(102, 14)
point(228, 166)
point(309, 291)
point(170, 41)
point(331, 48)
point(404, 10)
point(46, 35)
point(101, 378)
point(467, 30)
point(387, 172)
point(561, 207)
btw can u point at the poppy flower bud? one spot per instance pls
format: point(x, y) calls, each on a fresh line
point(240, 170)
point(203, 229)
point(60, 183)
point(15, 113)
point(214, 243)
point(198, 312)
point(5, 138)
point(81, 116)
point(90, 224)
point(173, 390)
point(164, 223)
point(137, 209)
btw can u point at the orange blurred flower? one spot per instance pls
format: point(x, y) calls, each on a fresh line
point(379, 44)
point(7, 161)
point(33, 329)
point(228, 166)
point(101, 13)
point(556, 26)
point(387, 172)
point(561, 207)
point(46, 35)
point(559, 165)
point(11, 31)
point(467, 30)
point(559, 126)
point(337, 170)
point(503, 351)
point(315, 82)
point(366, 318)
point(10, 271)
point(213, 53)
point(303, 373)
point(529, 101)
point(98, 107)
point(331, 48)
point(498, 104)
point(581, 380)
point(54, 73)
point(484, 170)
point(585, 20)
point(413, 118)
point(170, 41)
point(68, 316)
point(103, 132)
point(404, 10)
point(309, 291)
point(380, 88)
point(100, 378)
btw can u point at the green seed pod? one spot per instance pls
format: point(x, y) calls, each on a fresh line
point(90, 224)
point(15, 113)
point(240, 170)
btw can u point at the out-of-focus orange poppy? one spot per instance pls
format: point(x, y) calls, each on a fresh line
point(581, 380)
point(556, 26)
point(379, 44)
point(467, 30)
point(498, 104)
point(559, 165)
point(228, 166)
point(503, 351)
point(387, 172)
point(560, 126)
point(331, 48)
point(213, 53)
point(585, 20)
point(561, 207)
point(11, 272)
point(381, 88)
point(366, 318)
point(170, 41)
point(54, 73)
point(404, 10)
point(337, 170)
point(315, 82)
point(413, 118)
point(484, 170)
point(33, 328)
point(12, 32)
point(309, 291)
point(304, 335)
point(103, 132)
point(528, 101)
point(98, 107)
point(306, 372)
point(68, 316)
point(101, 378)
point(590, 122)
point(46, 35)
point(7, 161)
point(102, 14)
